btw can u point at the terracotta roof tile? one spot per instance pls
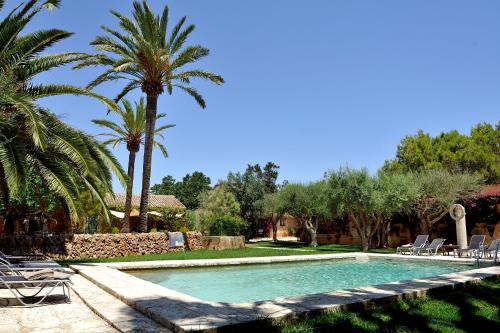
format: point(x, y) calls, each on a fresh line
point(155, 201)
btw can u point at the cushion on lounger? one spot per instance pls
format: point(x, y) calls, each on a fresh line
point(45, 274)
point(175, 239)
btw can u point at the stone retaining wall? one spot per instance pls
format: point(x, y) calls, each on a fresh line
point(82, 246)
point(223, 242)
point(193, 240)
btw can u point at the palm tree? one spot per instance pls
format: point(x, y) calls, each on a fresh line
point(30, 137)
point(131, 132)
point(149, 58)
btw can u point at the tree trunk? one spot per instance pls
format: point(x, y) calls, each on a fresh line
point(365, 243)
point(312, 233)
point(4, 189)
point(130, 187)
point(274, 222)
point(151, 106)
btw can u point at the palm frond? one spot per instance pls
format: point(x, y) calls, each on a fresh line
point(191, 91)
point(41, 91)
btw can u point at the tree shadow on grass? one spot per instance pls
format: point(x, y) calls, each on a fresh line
point(441, 311)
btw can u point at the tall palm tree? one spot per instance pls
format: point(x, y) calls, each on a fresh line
point(131, 132)
point(149, 58)
point(66, 159)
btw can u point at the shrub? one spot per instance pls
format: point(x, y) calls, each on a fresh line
point(174, 218)
point(227, 226)
point(115, 230)
point(191, 220)
point(291, 231)
point(153, 230)
point(184, 229)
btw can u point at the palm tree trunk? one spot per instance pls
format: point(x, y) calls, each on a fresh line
point(151, 106)
point(4, 189)
point(130, 186)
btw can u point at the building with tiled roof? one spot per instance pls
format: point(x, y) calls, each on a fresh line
point(155, 201)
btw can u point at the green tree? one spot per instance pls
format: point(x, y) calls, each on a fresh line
point(272, 209)
point(131, 133)
point(219, 202)
point(248, 189)
point(369, 201)
point(187, 191)
point(191, 187)
point(150, 59)
point(477, 153)
point(307, 203)
point(438, 190)
point(168, 186)
point(32, 138)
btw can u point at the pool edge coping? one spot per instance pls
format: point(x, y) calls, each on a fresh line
point(181, 312)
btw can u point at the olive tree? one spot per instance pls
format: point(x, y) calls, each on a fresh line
point(438, 189)
point(307, 203)
point(271, 209)
point(369, 202)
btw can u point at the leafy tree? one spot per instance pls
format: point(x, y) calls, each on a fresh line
point(131, 133)
point(369, 201)
point(149, 58)
point(272, 210)
point(219, 202)
point(168, 186)
point(191, 187)
point(188, 190)
point(307, 203)
point(438, 189)
point(269, 175)
point(248, 189)
point(32, 138)
point(399, 192)
point(477, 153)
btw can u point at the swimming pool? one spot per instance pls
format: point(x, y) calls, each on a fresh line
point(249, 283)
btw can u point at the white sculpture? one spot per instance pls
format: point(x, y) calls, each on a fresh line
point(457, 212)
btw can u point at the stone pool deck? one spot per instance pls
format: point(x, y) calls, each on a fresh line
point(179, 312)
point(55, 316)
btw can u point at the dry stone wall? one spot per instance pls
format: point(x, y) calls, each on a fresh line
point(193, 240)
point(223, 242)
point(82, 246)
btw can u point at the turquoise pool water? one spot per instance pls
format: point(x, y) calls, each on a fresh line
point(247, 283)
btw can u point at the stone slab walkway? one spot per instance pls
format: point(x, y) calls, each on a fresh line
point(57, 317)
point(115, 312)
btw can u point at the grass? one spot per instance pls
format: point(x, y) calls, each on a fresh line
point(474, 309)
point(261, 249)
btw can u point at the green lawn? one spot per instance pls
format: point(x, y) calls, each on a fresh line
point(475, 309)
point(251, 250)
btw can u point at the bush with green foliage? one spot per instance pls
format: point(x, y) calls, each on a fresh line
point(174, 218)
point(153, 231)
point(115, 230)
point(227, 226)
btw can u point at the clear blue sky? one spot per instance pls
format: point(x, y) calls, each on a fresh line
point(310, 85)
